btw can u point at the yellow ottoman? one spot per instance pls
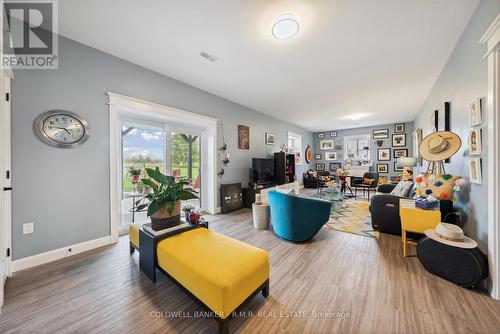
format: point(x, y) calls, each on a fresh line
point(133, 234)
point(219, 271)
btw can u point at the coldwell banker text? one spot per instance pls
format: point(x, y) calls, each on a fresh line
point(30, 39)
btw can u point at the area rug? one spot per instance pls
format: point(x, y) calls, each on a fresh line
point(353, 217)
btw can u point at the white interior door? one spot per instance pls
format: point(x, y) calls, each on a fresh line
point(5, 182)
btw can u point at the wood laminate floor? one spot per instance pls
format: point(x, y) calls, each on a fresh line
point(367, 280)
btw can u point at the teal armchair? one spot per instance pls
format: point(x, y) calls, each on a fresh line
point(296, 218)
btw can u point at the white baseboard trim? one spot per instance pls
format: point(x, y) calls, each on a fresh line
point(57, 254)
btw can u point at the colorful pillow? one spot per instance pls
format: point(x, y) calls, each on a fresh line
point(402, 189)
point(367, 181)
point(440, 186)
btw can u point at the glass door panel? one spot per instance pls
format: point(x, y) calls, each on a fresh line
point(143, 146)
point(185, 160)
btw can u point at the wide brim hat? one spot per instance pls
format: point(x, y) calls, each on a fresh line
point(450, 235)
point(439, 145)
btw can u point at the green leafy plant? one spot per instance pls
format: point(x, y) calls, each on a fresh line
point(166, 191)
point(188, 208)
point(133, 171)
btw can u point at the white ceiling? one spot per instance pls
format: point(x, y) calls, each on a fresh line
point(377, 58)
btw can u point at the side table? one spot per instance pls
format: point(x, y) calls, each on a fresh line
point(417, 220)
point(261, 216)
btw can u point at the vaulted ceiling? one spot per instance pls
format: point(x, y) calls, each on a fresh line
point(353, 62)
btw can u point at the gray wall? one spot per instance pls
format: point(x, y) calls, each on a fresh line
point(387, 143)
point(66, 192)
point(463, 79)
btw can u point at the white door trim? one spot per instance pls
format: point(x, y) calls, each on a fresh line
point(5, 180)
point(492, 40)
point(121, 106)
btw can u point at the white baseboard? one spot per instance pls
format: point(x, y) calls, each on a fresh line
point(57, 254)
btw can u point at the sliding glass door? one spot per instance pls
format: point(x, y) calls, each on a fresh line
point(143, 146)
point(175, 151)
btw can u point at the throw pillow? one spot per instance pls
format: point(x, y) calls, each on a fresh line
point(402, 189)
point(367, 181)
point(439, 186)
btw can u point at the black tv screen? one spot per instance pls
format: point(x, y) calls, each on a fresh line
point(262, 170)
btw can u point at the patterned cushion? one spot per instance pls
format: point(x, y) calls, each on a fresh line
point(402, 189)
point(367, 181)
point(438, 185)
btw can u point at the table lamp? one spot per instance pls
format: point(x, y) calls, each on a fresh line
point(408, 163)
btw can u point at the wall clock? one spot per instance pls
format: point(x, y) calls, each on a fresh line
point(60, 128)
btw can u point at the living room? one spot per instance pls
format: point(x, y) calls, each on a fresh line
point(250, 166)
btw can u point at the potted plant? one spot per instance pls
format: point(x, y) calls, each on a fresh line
point(187, 209)
point(135, 173)
point(164, 202)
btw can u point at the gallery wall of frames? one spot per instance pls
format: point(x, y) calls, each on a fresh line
point(385, 143)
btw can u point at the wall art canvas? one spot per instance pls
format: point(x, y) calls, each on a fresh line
point(384, 154)
point(382, 168)
point(326, 144)
point(475, 141)
point(320, 166)
point(399, 140)
point(381, 134)
point(475, 174)
point(475, 116)
point(243, 137)
point(330, 156)
point(269, 138)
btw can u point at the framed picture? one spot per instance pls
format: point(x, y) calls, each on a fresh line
point(338, 147)
point(397, 167)
point(321, 135)
point(333, 134)
point(475, 171)
point(326, 144)
point(243, 137)
point(399, 128)
point(381, 134)
point(320, 166)
point(334, 166)
point(417, 139)
point(475, 141)
point(400, 153)
point(384, 154)
point(475, 117)
point(269, 139)
point(318, 156)
point(382, 168)
point(330, 156)
point(399, 140)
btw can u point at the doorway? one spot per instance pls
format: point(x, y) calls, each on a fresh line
point(143, 135)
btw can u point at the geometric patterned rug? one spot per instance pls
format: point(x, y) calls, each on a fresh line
point(353, 217)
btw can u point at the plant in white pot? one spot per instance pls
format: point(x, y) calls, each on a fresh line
point(164, 202)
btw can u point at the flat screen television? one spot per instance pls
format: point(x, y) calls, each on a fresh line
point(262, 170)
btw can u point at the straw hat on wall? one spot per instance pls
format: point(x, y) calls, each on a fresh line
point(439, 146)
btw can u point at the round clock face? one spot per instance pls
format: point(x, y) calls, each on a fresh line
point(62, 129)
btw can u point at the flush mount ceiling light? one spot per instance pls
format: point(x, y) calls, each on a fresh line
point(285, 26)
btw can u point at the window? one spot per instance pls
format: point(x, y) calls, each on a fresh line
point(357, 147)
point(295, 142)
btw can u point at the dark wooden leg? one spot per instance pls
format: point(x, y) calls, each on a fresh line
point(132, 249)
point(265, 290)
point(355, 192)
point(224, 326)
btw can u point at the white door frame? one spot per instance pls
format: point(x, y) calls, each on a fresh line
point(492, 40)
point(6, 76)
point(121, 105)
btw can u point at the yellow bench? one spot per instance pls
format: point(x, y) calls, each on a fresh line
point(133, 234)
point(219, 272)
